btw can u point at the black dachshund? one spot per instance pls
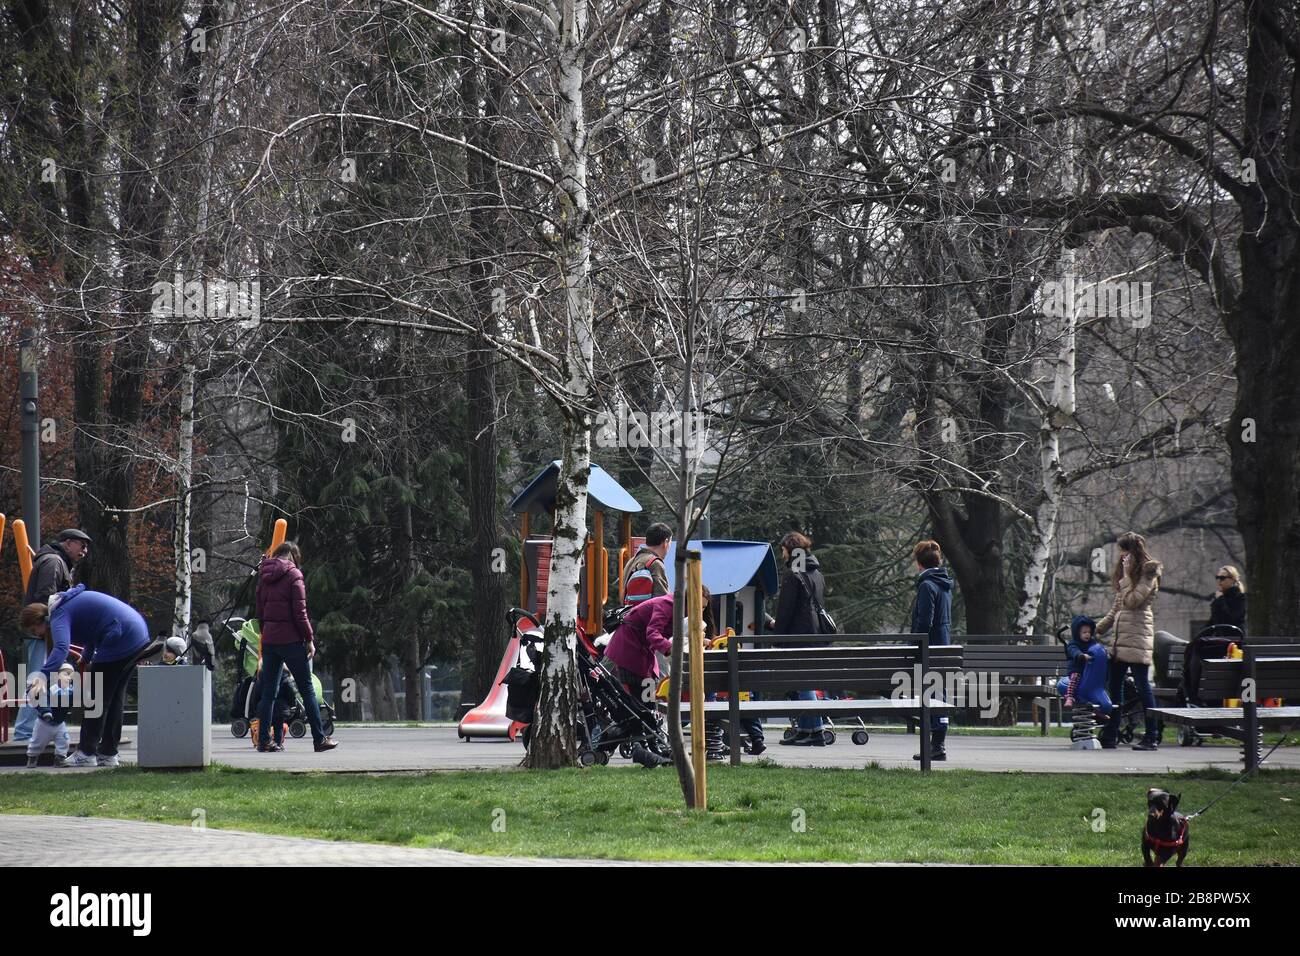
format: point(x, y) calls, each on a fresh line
point(1166, 832)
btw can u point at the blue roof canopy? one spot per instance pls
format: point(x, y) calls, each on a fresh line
point(728, 566)
point(602, 490)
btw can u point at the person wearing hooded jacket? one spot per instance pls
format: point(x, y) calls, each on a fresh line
point(932, 615)
point(112, 635)
point(1136, 578)
point(1085, 679)
point(287, 640)
point(51, 573)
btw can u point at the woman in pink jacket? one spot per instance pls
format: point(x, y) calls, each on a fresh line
point(287, 641)
point(647, 629)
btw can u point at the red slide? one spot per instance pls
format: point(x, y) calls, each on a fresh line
point(489, 718)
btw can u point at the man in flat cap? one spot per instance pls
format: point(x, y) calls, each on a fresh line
point(51, 573)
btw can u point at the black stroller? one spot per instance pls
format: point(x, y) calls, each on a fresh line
point(289, 708)
point(1211, 644)
point(611, 718)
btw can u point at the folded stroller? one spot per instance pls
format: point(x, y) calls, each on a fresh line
point(611, 717)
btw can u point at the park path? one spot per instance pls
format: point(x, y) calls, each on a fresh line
point(101, 841)
point(372, 749)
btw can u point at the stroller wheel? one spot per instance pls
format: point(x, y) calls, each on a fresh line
point(587, 758)
point(602, 757)
point(625, 751)
point(297, 729)
point(328, 728)
point(1126, 735)
point(239, 727)
point(789, 733)
point(828, 736)
point(860, 737)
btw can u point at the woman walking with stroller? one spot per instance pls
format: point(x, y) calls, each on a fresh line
point(287, 640)
point(1136, 579)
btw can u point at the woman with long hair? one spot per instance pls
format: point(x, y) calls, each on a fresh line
point(1136, 579)
point(287, 641)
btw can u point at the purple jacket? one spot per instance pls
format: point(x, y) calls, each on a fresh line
point(282, 603)
point(647, 628)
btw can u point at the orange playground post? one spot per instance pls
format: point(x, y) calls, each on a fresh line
point(24, 550)
point(279, 534)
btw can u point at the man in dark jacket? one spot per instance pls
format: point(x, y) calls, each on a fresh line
point(932, 615)
point(287, 640)
point(645, 576)
point(51, 574)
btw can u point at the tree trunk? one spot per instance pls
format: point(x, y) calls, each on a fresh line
point(553, 742)
point(488, 582)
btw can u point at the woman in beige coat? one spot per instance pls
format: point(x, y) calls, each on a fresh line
point(1137, 579)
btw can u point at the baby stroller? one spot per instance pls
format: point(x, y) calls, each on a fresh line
point(610, 718)
point(289, 708)
point(1211, 644)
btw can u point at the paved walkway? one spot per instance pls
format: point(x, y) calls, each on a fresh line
point(103, 842)
point(379, 749)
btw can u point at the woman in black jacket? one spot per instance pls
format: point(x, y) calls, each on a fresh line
point(803, 590)
point(1229, 605)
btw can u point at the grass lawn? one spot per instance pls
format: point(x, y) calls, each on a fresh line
point(629, 813)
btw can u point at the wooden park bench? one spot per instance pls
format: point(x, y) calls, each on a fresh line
point(1264, 671)
point(856, 664)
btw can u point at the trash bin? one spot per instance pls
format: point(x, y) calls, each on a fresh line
point(174, 727)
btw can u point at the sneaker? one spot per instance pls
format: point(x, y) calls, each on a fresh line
point(60, 760)
point(328, 743)
point(108, 761)
point(757, 747)
point(798, 740)
point(1068, 703)
point(78, 759)
point(1146, 745)
point(32, 761)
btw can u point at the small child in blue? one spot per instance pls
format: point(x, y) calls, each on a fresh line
point(1085, 682)
point(52, 721)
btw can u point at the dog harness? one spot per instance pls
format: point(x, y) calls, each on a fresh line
point(1170, 844)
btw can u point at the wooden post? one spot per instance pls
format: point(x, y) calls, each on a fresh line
point(733, 691)
point(695, 633)
point(24, 550)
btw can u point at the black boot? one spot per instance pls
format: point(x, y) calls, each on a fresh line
point(937, 736)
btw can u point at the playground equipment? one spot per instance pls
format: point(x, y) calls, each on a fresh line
point(489, 719)
point(8, 694)
point(740, 575)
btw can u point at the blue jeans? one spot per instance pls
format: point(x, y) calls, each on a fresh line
point(809, 722)
point(1140, 674)
point(27, 716)
point(274, 658)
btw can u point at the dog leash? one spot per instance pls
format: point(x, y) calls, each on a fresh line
point(1246, 774)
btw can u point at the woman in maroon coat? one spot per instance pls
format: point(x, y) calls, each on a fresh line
point(287, 641)
point(646, 630)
